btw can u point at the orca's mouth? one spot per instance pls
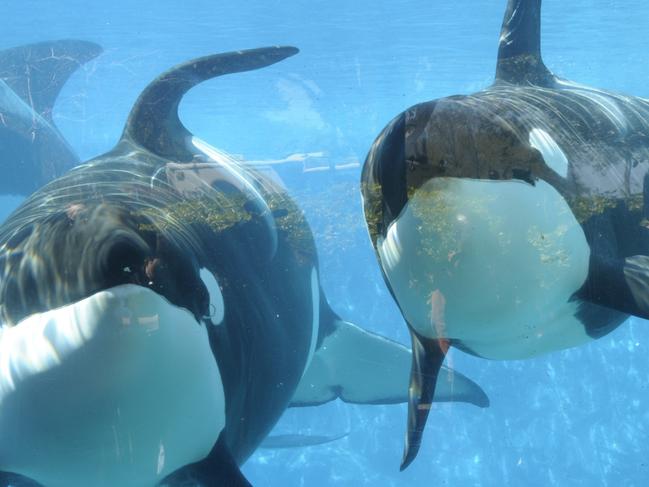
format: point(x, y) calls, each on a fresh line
point(97, 392)
point(44, 340)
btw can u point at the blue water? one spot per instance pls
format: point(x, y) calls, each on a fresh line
point(578, 417)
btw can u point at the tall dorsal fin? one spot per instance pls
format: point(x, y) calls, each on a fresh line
point(37, 72)
point(519, 51)
point(153, 123)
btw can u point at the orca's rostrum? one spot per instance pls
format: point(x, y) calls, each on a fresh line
point(514, 221)
point(161, 308)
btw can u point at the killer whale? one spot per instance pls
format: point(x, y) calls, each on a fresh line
point(32, 150)
point(513, 221)
point(132, 273)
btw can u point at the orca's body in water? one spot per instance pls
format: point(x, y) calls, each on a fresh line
point(32, 150)
point(514, 221)
point(161, 307)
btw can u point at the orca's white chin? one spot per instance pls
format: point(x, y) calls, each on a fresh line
point(493, 264)
point(120, 388)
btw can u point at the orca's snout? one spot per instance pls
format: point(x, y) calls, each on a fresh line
point(122, 258)
point(105, 366)
point(125, 251)
point(85, 249)
point(136, 252)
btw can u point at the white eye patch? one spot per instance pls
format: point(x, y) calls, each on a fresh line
point(217, 306)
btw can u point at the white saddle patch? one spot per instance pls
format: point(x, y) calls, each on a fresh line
point(120, 388)
point(491, 263)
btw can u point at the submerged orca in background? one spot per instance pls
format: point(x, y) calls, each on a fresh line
point(514, 221)
point(123, 281)
point(32, 150)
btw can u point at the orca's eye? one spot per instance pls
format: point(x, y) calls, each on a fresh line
point(524, 175)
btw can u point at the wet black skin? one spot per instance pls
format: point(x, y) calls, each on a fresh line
point(485, 135)
point(156, 210)
point(119, 219)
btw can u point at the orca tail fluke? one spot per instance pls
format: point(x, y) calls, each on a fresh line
point(355, 366)
point(360, 367)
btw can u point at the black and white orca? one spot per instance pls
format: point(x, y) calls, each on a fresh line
point(122, 281)
point(514, 221)
point(32, 150)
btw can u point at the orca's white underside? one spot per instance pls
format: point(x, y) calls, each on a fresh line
point(493, 264)
point(120, 388)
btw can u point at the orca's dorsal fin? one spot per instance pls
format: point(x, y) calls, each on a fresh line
point(153, 123)
point(519, 50)
point(37, 72)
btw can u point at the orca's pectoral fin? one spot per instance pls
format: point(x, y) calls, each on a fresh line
point(37, 72)
point(636, 276)
point(360, 367)
point(427, 357)
point(218, 469)
point(636, 267)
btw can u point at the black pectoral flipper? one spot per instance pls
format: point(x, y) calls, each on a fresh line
point(427, 358)
point(218, 469)
point(636, 267)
